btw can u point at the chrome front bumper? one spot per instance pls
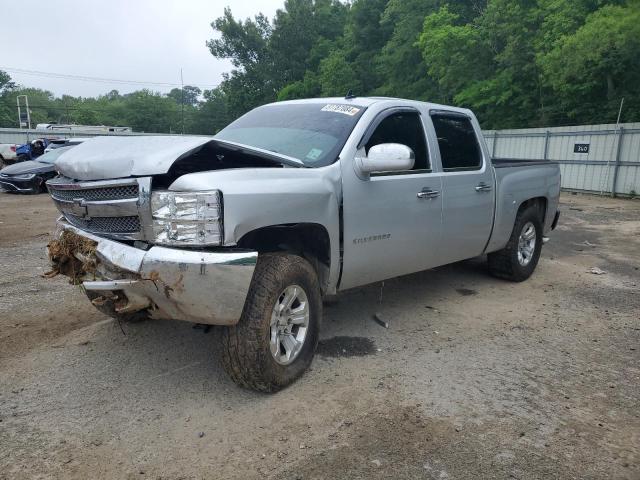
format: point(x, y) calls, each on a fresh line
point(202, 287)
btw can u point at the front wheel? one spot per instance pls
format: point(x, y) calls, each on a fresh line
point(276, 337)
point(519, 258)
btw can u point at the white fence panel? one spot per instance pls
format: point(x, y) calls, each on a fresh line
point(592, 158)
point(14, 135)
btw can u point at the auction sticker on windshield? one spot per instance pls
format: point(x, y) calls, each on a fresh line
point(346, 109)
point(314, 154)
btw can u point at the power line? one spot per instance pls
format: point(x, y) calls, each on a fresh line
point(85, 78)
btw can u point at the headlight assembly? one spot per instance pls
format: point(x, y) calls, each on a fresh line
point(25, 176)
point(187, 218)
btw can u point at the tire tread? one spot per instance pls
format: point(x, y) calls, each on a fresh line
point(242, 344)
point(503, 263)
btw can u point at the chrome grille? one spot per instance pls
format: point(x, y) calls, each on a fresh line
point(95, 194)
point(112, 225)
point(117, 208)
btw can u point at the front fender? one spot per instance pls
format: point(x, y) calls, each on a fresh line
point(255, 198)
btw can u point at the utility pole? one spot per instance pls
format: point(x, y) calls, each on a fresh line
point(26, 120)
point(182, 101)
point(617, 164)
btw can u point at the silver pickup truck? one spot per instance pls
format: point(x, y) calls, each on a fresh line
point(291, 202)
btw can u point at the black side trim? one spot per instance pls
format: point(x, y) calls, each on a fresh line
point(555, 220)
point(400, 172)
point(517, 162)
point(449, 113)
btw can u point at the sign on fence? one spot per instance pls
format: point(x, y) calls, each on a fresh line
point(581, 148)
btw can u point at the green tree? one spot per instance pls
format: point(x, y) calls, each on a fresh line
point(147, 111)
point(488, 64)
point(246, 45)
point(189, 95)
point(297, 30)
point(591, 69)
point(6, 87)
point(212, 115)
point(6, 84)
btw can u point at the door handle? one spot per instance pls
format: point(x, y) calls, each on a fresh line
point(428, 193)
point(483, 187)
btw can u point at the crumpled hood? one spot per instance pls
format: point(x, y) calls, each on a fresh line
point(103, 158)
point(31, 166)
point(118, 157)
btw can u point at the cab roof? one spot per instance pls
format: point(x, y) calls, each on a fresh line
point(368, 101)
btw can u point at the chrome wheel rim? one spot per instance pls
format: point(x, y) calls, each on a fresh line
point(526, 244)
point(289, 324)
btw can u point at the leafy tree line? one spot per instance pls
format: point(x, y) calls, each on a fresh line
point(143, 110)
point(516, 63)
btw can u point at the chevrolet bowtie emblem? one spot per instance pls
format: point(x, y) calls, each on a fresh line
point(79, 208)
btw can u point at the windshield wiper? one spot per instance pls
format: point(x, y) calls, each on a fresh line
point(267, 154)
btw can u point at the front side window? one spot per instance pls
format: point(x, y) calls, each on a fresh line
point(459, 148)
point(404, 128)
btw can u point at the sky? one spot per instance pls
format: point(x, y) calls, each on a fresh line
point(141, 40)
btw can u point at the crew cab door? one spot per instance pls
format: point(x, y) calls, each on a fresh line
point(468, 186)
point(391, 220)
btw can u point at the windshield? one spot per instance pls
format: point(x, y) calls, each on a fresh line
point(52, 156)
point(314, 133)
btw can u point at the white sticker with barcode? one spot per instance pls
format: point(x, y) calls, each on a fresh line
point(346, 109)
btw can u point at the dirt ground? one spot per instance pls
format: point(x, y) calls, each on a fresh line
point(475, 378)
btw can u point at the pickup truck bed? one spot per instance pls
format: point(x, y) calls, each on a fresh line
point(520, 180)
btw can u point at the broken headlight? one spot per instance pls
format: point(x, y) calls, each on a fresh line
point(186, 218)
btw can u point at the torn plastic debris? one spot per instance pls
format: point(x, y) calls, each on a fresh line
point(380, 321)
point(73, 256)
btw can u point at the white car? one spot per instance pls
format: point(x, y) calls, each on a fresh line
point(7, 154)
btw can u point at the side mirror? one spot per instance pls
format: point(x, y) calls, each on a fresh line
point(386, 157)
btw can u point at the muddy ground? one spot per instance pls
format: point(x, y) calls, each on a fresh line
point(475, 377)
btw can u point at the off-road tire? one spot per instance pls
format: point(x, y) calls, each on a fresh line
point(108, 308)
point(504, 263)
point(246, 356)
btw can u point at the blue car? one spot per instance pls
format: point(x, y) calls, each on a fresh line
point(31, 150)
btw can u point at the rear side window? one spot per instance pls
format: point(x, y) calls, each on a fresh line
point(459, 148)
point(404, 128)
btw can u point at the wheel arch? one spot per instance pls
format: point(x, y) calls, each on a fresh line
point(507, 213)
point(308, 240)
point(540, 203)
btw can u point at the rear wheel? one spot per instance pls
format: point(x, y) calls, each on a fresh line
point(519, 258)
point(276, 337)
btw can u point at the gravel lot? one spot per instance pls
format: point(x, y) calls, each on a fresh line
point(475, 378)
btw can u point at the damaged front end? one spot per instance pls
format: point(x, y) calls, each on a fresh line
point(73, 256)
point(163, 283)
